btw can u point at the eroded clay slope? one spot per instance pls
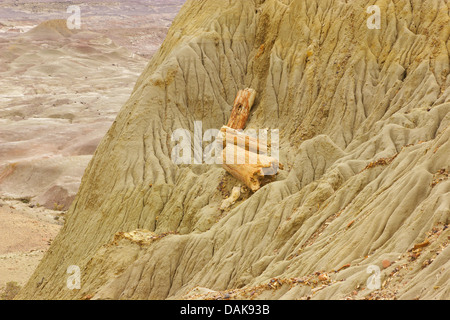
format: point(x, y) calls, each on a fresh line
point(364, 128)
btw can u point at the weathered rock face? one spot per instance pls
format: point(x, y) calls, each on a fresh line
point(364, 132)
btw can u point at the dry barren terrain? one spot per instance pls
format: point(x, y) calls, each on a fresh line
point(60, 91)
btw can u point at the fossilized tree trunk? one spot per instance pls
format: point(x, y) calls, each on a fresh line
point(232, 136)
point(246, 157)
point(251, 168)
point(241, 108)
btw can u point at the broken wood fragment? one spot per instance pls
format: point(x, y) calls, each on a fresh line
point(241, 108)
point(239, 138)
point(246, 157)
point(253, 169)
point(235, 194)
point(421, 245)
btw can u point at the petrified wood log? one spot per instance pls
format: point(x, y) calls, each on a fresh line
point(241, 108)
point(232, 136)
point(251, 168)
point(246, 157)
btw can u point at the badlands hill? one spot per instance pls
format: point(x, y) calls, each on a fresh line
point(364, 132)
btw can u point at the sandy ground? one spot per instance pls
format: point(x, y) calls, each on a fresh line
point(25, 234)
